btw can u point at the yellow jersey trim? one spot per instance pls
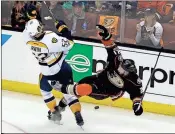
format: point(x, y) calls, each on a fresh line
point(37, 44)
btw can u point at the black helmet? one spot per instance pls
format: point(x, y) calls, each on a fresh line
point(31, 12)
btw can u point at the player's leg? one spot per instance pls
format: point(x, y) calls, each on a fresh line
point(133, 86)
point(75, 106)
point(62, 104)
point(49, 99)
point(98, 90)
point(64, 78)
point(63, 81)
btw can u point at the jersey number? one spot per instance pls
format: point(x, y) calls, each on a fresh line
point(65, 43)
point(41, 56)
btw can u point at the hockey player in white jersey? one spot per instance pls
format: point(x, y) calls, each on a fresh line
point(50, 50)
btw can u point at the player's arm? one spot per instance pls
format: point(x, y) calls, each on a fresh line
point(158, 35)
point(63, 29)
point(114, 56)
point(115, 59)
point(68, 42)
point(134, 89)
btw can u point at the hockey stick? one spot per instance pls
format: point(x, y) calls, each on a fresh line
point(150, 77)
point(50, 11)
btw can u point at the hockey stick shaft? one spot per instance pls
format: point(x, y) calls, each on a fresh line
point(49, 11)
point(151, 75)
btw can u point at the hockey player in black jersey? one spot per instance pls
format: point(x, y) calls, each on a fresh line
point(119, 76)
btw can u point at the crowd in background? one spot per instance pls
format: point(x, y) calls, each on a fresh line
point(20, 12)
point(146, 21)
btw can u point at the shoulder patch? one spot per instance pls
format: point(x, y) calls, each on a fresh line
point(54, 40)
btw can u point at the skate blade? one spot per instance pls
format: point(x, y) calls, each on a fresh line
point(58, 122)
point(82, 128)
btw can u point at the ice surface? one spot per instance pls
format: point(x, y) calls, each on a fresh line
point(23, 113)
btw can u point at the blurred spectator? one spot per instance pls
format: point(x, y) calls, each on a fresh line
point(78, 9)
point(99, 5)
point(174, 8)
point(131, 8)
point(107, 8)
point(22, 12)
point(57, 10)
point(174, 13)
point(80, 22)
point(67, 9)
point(6, 12)
point(173, 20)
point(149, 31)
point(163, 9)
point(90, 6)
point(37, 4)
point(18, 15)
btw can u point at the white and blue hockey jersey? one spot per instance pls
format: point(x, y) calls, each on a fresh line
point(50, 51)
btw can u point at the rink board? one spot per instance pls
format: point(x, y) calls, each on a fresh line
point(20, 71)
point(122, 102)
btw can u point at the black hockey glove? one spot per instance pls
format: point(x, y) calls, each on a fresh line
point(61, 26)
point(137, 108)
point(63, 29)
point(103, 32)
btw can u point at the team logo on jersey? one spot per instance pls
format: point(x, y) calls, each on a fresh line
point(54, 40)
point(115, 79)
